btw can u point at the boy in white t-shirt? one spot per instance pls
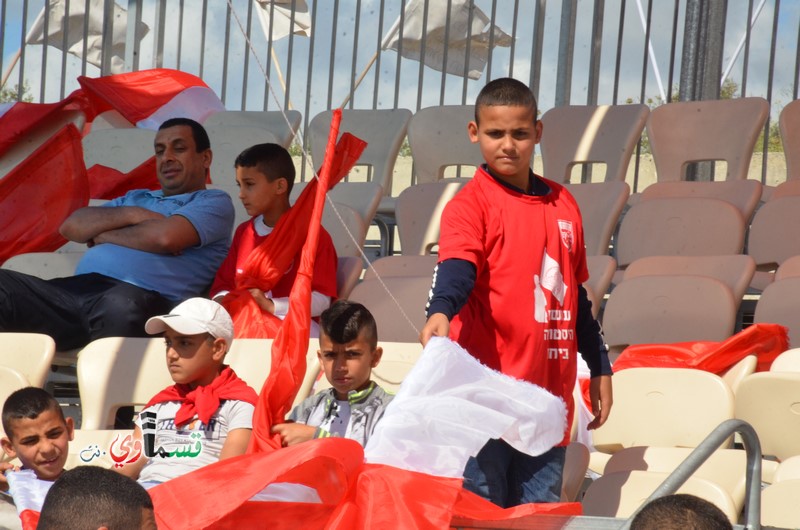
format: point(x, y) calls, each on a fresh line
point(207, 414)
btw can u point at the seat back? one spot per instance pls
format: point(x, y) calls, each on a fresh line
point(789, 268)
point(274, 121)
point(779, 505)
point(411, 293)
point(401, 265)
point(621, 494)
point(734, 375)
point(789, 469)
point(591, 134)
point(735, 271)
point(227, 142)
point(789, 123)
point(397, 360)
point(667, 407)
point(419, 212)
point(576, 462)
point(348, 271)
point(666, 309)
point(363, 197)
point(120, 149)
point(778, 304)
point(11, 380)
point(769, 402)
point(695, 131)
point(601, 204)
point(743, 194)
point(788, 361)
point(438, 139)
point(601, 272)
point(346, 228)
point(773, 233)
point(674, 227)
point(30, 354)
point(45, 265)
point(383, 129)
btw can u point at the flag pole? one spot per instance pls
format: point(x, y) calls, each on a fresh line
point(280, 76)
point(389, 36)
point(7, 73)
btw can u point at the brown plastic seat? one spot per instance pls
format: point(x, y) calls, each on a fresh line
point(601, 272)
point(601, 205)
point(419, 211)
point(401, 266)
point(389, 298)
point(743, 194)
point(773, 237)
point(779, 304)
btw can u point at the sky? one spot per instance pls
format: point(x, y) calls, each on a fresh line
point(330, 81)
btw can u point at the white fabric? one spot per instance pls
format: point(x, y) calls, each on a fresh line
point(74, 24)
point(282, 22)
point(338, 423)
point(232, 414)
point(459, 33)
point(196, 102)
point(27, 491)
point(450, 405)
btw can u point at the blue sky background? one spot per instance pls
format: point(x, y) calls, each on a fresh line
point(456, 89)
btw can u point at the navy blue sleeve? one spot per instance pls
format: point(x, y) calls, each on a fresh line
point(591, 343)
point(453, 280)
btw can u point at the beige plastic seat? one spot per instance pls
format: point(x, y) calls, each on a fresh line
point(725, 467)
point(744, 194)
point(419, 212)
point(773, 237)
point(735, 270)
point(120, 149)
point(438, 139)
point(778, 304)
point(576, 462)
point(621, 494)
point(45, 265)
point(737, 373)
point(346, 228)
point(601, 272)
point(679, 227)
point(348, 271)
point(788, 361)
point(37, 136)
point(667, 407)
point(694, 131)
point(363, 197)
point(789, 469)
point(768, 401)
point(588, 134)
point(779, 504)
point(410, 292)
point(397, 360)
point(601, 205)
point(11, 380)
point(666, 309)
point(30, 354)
point(400, 265)
point(273, 121)
point(227, 142)
point(93, 447)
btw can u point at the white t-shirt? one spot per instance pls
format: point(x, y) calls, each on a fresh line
point(194, 445)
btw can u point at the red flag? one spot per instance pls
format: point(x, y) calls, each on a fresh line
point(19, 119)
point(40, 193)
point(109, 183)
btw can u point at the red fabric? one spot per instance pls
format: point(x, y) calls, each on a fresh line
point(136, 95)
point(40, 193)
point(29, 519)
point(108, 183)
point(22, 118)
point(245, 239)
point(266, 264)
point(505, 234)
point(204, 400)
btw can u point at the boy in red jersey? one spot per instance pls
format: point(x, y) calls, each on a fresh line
point(508, 288)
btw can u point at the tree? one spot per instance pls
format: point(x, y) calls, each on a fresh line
point(10, 95)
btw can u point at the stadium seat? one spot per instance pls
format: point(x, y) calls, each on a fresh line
point(743, 194)
point(419, 211)
point(779, 504)
point(576, 462)
point(601, 272)
point(768, 402)
point(227, 142)
point(601, 205)
point(788, 361)
point(737, 373)
point(778, 305)
point(346, 228)
point(363, 197)
point(400, 312)
point(578, 134)
point(45, 265)
point(773, 237)
point(402, 266)
point(120, 149)
point(30, 354)
point(397, 360)
point(282, 124)
point(789, 469)
point(348, 272)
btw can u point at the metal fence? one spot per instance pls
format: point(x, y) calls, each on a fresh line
point(570, 52)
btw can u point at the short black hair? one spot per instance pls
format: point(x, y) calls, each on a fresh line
point(271, 160)
point(87, 497)
point(680, 512)
point(28, 403)
point(201, 141)
point(506, 91)
point(344, 320)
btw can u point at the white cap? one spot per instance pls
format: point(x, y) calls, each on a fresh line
point(193, 317)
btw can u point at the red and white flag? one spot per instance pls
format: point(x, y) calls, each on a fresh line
point(457, 42)
point(28, 493)
point(65, 31)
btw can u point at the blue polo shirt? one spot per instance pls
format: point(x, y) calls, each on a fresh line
point(176, 277)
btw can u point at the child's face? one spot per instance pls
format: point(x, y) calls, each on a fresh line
point(41, 444)
point(258, 195)
point(507, 136)
point(193, 360)
point(348, 366)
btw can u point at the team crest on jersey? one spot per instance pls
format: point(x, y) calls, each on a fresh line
point(567, 233)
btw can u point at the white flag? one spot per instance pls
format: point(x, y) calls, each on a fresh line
point(282, 23)
point(73, 24)
point(459, 32)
